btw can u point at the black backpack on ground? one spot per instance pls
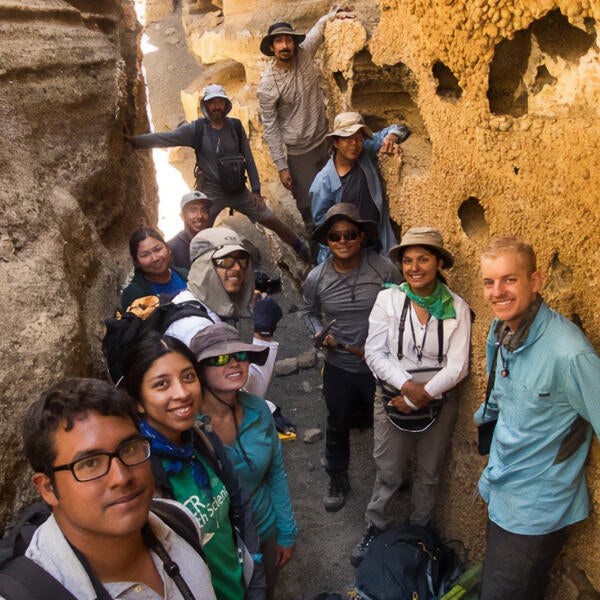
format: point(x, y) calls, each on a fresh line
point(23, 579)
point(150, 313)
point(407, 563)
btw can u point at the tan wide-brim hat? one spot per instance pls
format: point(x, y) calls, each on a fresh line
point(222, 338)
point(276, 29)
point(428, 237)
point(348, 123)
point(348, 212)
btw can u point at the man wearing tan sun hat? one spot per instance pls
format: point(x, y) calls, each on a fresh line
point(351, 174)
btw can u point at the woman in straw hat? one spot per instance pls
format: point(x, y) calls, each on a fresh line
point(418, 349)
point(244, 424)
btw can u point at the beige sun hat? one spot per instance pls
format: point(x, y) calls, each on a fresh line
point(427, 237)
point(348, 123)
point(221, 241)
point(222, 338)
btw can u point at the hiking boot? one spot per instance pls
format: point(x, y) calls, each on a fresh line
point(360, 550)
point(339, 486)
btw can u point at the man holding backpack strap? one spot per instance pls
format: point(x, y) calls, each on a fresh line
point(223, 156)
point(91, 467)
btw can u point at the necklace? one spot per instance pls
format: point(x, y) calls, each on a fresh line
point(418, 348)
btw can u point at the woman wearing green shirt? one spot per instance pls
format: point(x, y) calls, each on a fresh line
point(190, 464)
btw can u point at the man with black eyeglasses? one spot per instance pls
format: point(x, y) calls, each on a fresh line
point(91, 467)
point(339, 294)
point(222, 278)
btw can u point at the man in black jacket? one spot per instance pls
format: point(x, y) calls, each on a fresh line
point(219, 142)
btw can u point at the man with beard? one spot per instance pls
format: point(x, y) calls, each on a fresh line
point(223, 156)
point(543, 390)
point(292, 106)
point(195, 214)
point(222, 279)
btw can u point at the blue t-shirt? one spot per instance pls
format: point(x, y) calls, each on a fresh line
point(175, 285)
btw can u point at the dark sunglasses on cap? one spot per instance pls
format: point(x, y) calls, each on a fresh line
point(348, 236)
point(223, 359)
point(227, 262)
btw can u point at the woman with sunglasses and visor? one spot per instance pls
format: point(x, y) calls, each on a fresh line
point(190, 464)
point(244, 424)
point(339, 293)
point(418, 349)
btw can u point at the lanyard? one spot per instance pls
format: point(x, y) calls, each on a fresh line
point(401, 327)
point(418, 348)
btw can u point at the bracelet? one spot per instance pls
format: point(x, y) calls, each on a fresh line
point(410, 404)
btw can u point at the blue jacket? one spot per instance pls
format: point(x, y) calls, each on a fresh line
point(262, 477)
point(553, 377)
point(326, 189)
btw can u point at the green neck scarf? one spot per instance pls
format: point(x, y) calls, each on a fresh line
point(439, 305)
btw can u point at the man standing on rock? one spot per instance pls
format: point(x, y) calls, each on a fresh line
point(351, 174)
point(223, 156)
point(292, 107)
point(544, 381)
point(195, 214)
point(340, 293)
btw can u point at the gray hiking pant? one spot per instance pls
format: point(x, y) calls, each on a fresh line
point(392, 449)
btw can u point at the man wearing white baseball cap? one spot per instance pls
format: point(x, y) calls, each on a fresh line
point(195, 214)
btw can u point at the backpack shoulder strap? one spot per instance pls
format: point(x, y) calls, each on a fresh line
point(199, 127)
point(237, 130)
point(179, 521)
point(23, 579)
point(401, 327)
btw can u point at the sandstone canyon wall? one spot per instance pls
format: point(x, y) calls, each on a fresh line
point(70, 193)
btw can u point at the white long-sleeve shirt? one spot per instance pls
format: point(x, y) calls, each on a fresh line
point(381, 347)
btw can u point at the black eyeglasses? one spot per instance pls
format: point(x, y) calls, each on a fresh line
point(131, 453)
point(223, 359)
point(227, 262)
point(347, 236)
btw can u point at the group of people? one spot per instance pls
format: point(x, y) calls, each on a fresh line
point(194, 427)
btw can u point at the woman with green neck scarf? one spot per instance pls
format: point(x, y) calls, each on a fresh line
point(418, 350)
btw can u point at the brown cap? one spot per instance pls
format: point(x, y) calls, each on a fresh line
point(344, 211)
point(347, 124)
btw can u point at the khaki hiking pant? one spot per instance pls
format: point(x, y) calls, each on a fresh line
point(392, 449)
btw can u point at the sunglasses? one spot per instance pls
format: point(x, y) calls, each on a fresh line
point(224, 359)
point(227, 262)
point(347, 236)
